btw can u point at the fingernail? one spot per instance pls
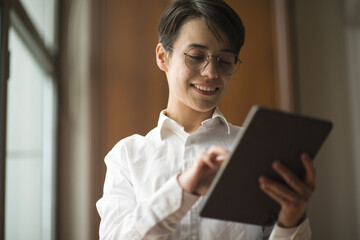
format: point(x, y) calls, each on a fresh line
point(305, 157)
point(262, 179)
point(276, 164)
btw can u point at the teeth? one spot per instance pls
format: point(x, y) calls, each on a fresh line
point(206, 89)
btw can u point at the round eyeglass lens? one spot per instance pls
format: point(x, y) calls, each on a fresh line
point(196, 58)
point(228, 63)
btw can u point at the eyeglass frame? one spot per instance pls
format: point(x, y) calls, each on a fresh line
point(207, 60)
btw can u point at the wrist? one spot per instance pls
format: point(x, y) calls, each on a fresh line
point(294, 224)
point(186, 184)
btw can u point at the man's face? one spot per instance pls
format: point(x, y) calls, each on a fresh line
point(199, 90)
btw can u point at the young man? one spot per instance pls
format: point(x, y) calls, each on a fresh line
point(153, 183)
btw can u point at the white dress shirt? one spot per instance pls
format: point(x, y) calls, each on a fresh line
point(143, 200)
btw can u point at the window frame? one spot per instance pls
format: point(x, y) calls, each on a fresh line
point(12, 13)
point(4, 70)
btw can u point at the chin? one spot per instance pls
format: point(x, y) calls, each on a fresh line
point(204, 109)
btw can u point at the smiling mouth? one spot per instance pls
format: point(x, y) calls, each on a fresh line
point(205, 89)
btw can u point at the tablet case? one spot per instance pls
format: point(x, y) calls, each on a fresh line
point(268, 135)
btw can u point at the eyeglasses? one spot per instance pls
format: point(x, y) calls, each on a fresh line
point(198, 58)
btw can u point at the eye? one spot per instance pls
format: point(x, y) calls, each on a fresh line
point(225, 62)
point(196, 55)
point(227, 59)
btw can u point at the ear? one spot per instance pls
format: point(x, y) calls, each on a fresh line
point(161, 57)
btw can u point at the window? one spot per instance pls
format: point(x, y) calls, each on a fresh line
point(29, 119)
point(29, 155)
point(43, 13)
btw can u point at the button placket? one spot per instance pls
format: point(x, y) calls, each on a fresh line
point(187, 154)
point(189, 160)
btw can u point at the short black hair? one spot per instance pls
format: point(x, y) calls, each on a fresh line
point(215, 13)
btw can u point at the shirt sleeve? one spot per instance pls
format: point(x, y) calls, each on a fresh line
point(301, 232)
point(123, 217)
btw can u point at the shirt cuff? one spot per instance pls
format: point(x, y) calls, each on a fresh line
point(302, 232)
point(188, 199)
point(172, 202)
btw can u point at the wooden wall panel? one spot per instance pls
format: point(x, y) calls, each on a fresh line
point(254, 83)
point(135, 89)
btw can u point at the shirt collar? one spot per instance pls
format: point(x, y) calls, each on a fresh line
point(218, 115)
point(165, 123)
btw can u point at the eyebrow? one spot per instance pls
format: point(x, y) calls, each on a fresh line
point(196, 45)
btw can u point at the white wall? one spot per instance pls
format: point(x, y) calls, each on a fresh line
point(327, 89)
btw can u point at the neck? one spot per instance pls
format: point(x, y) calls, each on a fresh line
point(188, 118)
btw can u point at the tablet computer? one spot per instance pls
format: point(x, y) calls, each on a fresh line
point(268, 135)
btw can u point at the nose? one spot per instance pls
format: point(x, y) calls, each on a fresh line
point(210, 70)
